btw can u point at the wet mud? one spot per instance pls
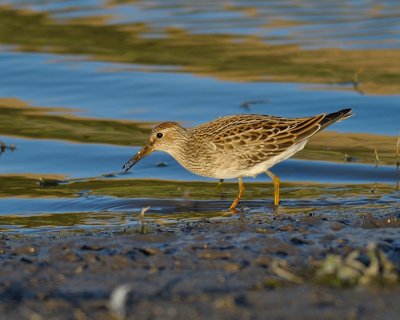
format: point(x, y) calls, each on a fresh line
point(248, 266)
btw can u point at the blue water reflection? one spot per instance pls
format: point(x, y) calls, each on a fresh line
point(106, 90)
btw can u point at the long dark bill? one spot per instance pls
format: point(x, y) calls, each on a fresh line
point(147, 149)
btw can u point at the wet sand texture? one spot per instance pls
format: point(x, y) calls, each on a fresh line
point(254, 266)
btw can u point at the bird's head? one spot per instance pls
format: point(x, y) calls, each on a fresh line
point(165, 137)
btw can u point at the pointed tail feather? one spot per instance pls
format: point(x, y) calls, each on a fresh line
point(335, 117)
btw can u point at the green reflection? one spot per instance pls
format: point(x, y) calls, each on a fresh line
point(51, 220)
point(29, 186)
point(237, 58)
point(80, 221)
point(19, 119)
point(298, 199)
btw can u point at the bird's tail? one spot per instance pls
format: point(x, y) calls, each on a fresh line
point(337, 116)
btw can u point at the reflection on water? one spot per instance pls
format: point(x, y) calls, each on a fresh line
point(28, 215)
point(49, 157)
point(81, 81)
point(348, 24)
point(89, 89)
point(225, 56)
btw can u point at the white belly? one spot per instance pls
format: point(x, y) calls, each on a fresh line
point(231, 173)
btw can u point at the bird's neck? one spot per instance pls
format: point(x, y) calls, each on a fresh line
point(189, 153)
point(181, 146)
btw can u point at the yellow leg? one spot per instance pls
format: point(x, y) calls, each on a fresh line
point(240, 194)
point(276, 181)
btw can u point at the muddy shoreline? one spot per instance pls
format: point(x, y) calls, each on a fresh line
point(247, 266)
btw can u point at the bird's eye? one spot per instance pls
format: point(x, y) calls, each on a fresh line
point(159, 135)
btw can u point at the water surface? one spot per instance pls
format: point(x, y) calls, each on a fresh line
point(81, 86)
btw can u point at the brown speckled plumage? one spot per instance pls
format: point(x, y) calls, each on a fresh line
point(237, 146)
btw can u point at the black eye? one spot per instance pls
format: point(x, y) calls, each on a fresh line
point(159, 135)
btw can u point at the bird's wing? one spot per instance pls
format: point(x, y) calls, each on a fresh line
point(258, 138)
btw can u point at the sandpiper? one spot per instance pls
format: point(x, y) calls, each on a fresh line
point(237, 146)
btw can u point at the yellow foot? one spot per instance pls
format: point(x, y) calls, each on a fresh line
point(234, 210)
point(240, 194)
point(276, 182)
point(234, 204)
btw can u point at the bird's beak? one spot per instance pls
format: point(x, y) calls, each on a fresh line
point(147, 149)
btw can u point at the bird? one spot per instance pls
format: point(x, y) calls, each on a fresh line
point(237, 146)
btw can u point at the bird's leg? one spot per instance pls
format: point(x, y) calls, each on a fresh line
point(240, 194)
point(219, 185)
point(276, 181)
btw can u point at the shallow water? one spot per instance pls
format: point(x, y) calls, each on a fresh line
point(119, 91)
point(147, 62)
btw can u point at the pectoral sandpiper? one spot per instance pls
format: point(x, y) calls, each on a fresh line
point(237, 146)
